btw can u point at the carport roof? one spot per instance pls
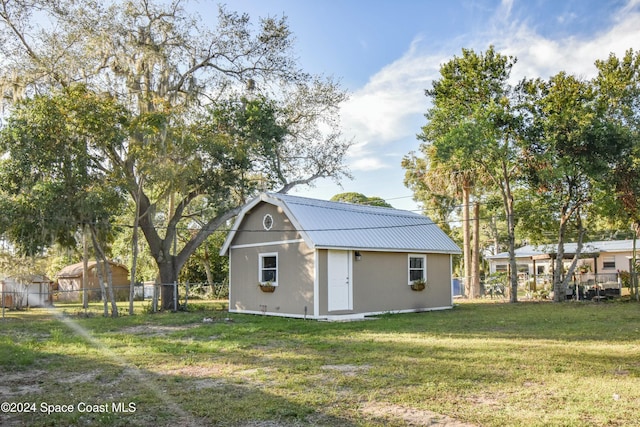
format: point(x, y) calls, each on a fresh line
point(589, 249)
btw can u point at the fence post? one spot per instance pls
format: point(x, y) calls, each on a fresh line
point(175, 296)
point(186, 296)
point(154, 303)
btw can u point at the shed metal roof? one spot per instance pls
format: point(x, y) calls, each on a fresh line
point(76, 270)
point(325, 224)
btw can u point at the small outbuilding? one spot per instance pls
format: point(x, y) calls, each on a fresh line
point(32, 290)
point(69, 282)
point(299, 257)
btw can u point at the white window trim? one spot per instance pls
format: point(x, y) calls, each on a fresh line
point(264, 222)
point(500, 268)
point(264, 255)
point(607, 260)
point(424, 268)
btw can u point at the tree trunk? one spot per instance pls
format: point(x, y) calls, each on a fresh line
point(634, 261)
point(466, 237)
point(496, 236)
point(207, 270)
point(112, 296)
point(168, 277)
point(134, 251)
point(134, 263)
point(507, 197)
point(560, 283)
point(558, 291)
point(101, 258)
point(85, 267)
point(574, 262)
point(513, 280)
point(164, 251)
point(103, 291)
point(475, 260)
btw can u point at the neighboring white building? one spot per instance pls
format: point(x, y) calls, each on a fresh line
point(32, 290)
point(600, 261)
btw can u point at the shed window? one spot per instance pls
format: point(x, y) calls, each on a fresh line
point(609, 263)
point(417, 267)
point(268, 268)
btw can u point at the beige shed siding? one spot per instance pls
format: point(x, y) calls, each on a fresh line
point(281, 230)
point(295, 280)
point(70, 286)
point(380, 280)
point(295, 266)
point(380, 283)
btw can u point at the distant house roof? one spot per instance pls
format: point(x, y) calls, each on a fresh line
point(597, 247)
point(75, 270)
point(336, 225)
point(28, 278)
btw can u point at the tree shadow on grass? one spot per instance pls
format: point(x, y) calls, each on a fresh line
point(47, 387)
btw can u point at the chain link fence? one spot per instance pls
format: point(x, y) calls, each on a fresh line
point(23, 297)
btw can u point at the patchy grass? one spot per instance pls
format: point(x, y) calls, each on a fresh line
point(489, 364)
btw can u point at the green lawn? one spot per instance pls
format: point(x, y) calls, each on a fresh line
point(485, 363)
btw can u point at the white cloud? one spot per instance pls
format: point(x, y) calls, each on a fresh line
point(506, 7)
point(380, 111)
point(385, 115)
point(362, 158)
point(390, 107)
point(632, 4)
point(542, 57)
point(368, 164)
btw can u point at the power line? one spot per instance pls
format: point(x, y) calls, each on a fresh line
point(424, 220)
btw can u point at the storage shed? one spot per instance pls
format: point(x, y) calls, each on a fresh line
point(331, 260)
point(31, 290)
point(69, 282)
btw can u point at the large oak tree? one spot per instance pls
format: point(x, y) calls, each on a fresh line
point(216, 115)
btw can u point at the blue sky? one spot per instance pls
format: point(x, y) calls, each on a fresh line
point(386, 53)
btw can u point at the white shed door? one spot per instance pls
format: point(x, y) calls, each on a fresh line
point(339, 276)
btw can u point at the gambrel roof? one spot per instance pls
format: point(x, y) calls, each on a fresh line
point(76, 270)
point(336, 225)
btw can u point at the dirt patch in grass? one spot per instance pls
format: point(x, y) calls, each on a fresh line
point(349, 370)
point(410, 416)
point(202, 377)
point(271, 424)
point(208, 383)
point(80, 378)
point(156, 330)
point(14, 384)
point(487, 399)
point(194, 371)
